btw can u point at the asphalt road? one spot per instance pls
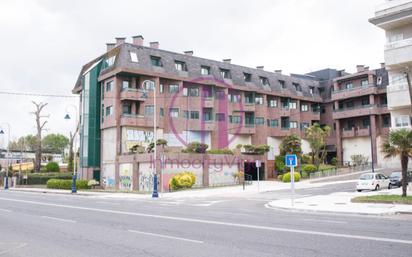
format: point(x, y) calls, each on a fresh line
point(44, 225)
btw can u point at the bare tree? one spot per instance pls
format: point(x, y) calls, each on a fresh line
point(40, 125)
point(70, 165)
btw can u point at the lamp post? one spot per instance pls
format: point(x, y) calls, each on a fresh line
point(67, 117)
point(151, 85)
point(6, 183)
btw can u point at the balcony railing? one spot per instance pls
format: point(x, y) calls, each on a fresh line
point(354, 88)
point(398, 44)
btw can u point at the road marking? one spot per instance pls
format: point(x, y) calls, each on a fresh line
point(221, 223)
point(326, 221)
point(12, 249)
point(5, 210)
point(58, 219)
point(165, 236)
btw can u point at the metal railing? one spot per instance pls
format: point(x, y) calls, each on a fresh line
point(347, 168)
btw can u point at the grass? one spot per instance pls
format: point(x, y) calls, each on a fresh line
point(393, 199)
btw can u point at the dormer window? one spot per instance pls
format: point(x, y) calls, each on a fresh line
point(349, 85)
point(282, 84)
point(225, 73)
point(264, 81)
point(297, 87)
point(205, 70)
point(311, 90)
point(180, 66)
point(247, 77)
point(108, 62)
point(133, 57)
point(156, 61)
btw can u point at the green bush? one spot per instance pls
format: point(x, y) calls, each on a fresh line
point(42, 178)
point(256, 149)
point(220, 151)
point(66, 184)
point(182, 180)
point(334, 161)
point(306, 159)
point(195, 147)
point(52, 167)
point(305, 174)
point(280, 177)
point(286, 177)
point(309, 168)
point(279, 163)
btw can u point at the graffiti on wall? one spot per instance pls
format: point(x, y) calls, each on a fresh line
point(126, 177)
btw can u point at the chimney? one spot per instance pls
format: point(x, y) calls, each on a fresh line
point(120, 40)
point(154, 45)
point(188, 53)
point(278, 71)
point(110, 46)
point(260, 67)
point(227, 60)
point(138, 40)
point(366, 68)
point(360, 68)
point(383, 66)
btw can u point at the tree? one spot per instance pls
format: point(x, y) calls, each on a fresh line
point(316, 136)
point(399, 143)
point(291, 145)
point(55, 143)
point(40, 126)
point(26, 143)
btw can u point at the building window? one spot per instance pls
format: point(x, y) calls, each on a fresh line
point(125, 84)
point(402, 121)
point(365, 101)
point(108, 62)
point(234, 97)
point(126, 109)
point(282, 84)
point(260, 121)
point(186, 114)
point(292, 105)
point(191, 91)
point(349, 85)
point(273, 123)
point(225, 73)
point(173, 88)
point(148, 110)
point(386, 121)
point(365, 123)
point(259, 99)
point(350, 104)
point(249, 98)
point(379, 81)
point(194, 115)
point(304, 107)
point(109, 110)
point(220, 94)
point(207, 115)
point(364, 82)
point(174, 112)
point(293, 124)
point(220, 117)
point(133, 57)
point(297, 87)
point(205, 70)
point(264, 81)
point(247, 77)
point(161, 88)
point(109, 86)
point(304, 125)
point(234, 119)
point(162, 112)
point(156, 61)
point(311, 90)
point(180, 66)
point(273, 103)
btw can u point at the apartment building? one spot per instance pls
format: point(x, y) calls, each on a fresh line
point(199, 100)
point(395, 17)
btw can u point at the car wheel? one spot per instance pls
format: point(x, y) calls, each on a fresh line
point(359, 190)
point(377, 188)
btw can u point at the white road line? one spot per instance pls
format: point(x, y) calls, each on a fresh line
point(12, 249)
point(5, 210)
point(165, 236)
point(58, 219)
point(221, 223)
point(326, 221)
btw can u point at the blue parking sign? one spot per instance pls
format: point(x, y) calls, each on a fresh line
point(291, 160)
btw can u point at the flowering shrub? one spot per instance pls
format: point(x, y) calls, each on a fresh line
point(182, 180)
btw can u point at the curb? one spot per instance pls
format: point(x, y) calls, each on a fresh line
point(51, 192)
point(268, 205)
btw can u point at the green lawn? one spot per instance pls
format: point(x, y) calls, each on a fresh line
point(383, 199)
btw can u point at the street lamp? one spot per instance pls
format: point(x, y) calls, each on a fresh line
point(148, 84)
point(67, 117)
point(6, 184)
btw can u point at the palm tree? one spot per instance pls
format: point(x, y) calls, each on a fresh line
point(399, 143)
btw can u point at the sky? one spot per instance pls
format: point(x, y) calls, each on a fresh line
point(45, 42)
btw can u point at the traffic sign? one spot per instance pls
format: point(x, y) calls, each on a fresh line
point(258, 163)
point(291, 160)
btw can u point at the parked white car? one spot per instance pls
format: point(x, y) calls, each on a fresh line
point(372, 181)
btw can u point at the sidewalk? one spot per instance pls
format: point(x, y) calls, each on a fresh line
point(341, 203)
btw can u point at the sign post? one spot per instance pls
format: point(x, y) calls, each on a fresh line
point(258, 164)
point(291, 162)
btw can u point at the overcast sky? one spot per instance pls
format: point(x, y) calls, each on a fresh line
point(44, 43)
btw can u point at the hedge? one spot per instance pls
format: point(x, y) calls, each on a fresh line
point(220, 151)
point(309, 168)
point(67, 184)
point(52, 167)
point(286, 177)
point(42, 178)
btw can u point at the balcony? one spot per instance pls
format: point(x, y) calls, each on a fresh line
point(357, 111)
point(208, 102)
point(355, 92)
point(355, 132)
point(391, 14)
point(243, 107)
point(399, 52)
point(133, 94)
point(398, 96)
point(136, 120)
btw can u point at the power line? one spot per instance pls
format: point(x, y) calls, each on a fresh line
point(37, 94)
